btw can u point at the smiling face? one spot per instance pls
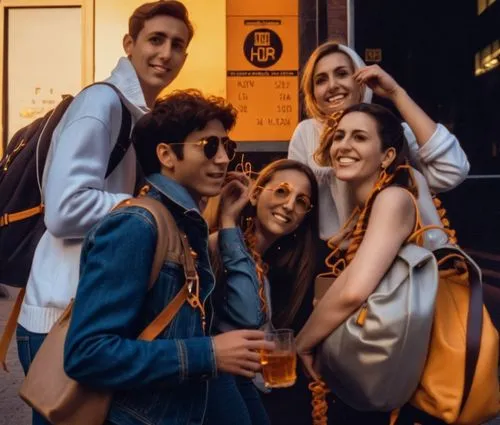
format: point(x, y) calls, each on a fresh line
point(356, 151)
point(202, 177)
point(280, 203)
point(333, 83)
point(158, 53)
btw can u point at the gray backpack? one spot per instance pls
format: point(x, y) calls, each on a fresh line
point(373, 361)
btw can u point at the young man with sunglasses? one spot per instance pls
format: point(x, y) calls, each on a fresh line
point(75, 190)
point(184, 150)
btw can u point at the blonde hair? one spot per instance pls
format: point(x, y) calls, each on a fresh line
point(307, 80)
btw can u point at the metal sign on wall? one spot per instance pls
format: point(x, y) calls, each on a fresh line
point(262, 68)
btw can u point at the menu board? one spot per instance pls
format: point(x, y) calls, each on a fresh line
point(262, 69)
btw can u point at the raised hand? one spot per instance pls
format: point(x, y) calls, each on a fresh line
point(378, 80)
point(238, 352)
point(234, 196)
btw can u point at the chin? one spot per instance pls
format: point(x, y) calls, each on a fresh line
point(331, 109)
point(345, 176)
point(158, 83)
point(211, 191)
point(276, 230)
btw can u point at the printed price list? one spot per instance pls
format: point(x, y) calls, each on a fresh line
point(267, 105)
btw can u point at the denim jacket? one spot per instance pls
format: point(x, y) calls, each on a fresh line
point(163, 381)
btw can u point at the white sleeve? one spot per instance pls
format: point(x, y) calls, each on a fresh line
point(297, 149)
point(74, 182)
point(441, 159)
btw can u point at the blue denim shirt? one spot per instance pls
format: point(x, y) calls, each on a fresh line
point(241, 307)
point(163, 381)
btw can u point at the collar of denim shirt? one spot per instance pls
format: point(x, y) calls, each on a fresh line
point(174, 192)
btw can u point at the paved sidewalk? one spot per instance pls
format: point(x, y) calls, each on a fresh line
point(13, 411)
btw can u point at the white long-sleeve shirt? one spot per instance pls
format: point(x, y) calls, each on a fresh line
point(441, 160)
point(76, 193)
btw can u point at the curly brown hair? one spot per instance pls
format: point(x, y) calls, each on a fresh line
point(172, 119)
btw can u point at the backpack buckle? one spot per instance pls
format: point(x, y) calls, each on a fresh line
point(4, 220)
point(192, 281)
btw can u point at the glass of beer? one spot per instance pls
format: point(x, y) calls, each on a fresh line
point(279, 365)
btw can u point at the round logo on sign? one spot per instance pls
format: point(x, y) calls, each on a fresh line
point(263, 48)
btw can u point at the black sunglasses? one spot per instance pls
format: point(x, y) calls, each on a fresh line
point(210, 146)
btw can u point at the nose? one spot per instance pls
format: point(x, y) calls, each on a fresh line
point(289, 204)
point(221, 155)
point(331, 82)
point(166, 51)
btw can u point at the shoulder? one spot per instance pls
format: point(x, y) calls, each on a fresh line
point(97, 101)
point(306, 135)
point(135, 224)
point(394, 204)
point(308, 126)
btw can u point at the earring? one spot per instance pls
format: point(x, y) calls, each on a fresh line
point(382, 178)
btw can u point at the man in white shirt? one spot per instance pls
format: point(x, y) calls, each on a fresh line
point(76, 191)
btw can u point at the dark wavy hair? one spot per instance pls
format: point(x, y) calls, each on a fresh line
point(147, 11)
point(172, 119)
point(398, 172)
point(389, 129)
point(290, 258)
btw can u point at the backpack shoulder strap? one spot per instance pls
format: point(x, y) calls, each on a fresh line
point(474, 316)
point(172, 244)
point(123, 142)
point(415, 235)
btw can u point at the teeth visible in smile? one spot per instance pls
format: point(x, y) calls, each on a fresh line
point(346, 160)
point(337, 98)
point(281, 218)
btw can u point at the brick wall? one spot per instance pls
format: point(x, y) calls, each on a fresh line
point(337, 20)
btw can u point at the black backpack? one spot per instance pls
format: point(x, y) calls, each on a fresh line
point(21, 169)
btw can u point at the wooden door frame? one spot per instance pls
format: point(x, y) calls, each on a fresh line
point(87, 31)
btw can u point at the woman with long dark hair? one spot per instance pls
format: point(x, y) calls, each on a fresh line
point(368, 151)
point(279, 221)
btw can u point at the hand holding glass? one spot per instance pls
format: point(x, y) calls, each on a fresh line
point(279, 366)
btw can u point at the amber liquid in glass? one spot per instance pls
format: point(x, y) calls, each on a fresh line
point(279, 368)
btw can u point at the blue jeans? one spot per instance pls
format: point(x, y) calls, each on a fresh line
point(28, 344)
point(234, 400)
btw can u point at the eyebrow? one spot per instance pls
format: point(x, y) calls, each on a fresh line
point(165, 35)
point(291, 185)
point(334, 69)
point(357, 130)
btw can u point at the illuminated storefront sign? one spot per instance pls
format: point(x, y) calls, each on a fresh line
point(262, 68)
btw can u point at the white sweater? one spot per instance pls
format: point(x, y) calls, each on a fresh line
point(76, 193)
point(441, 160)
